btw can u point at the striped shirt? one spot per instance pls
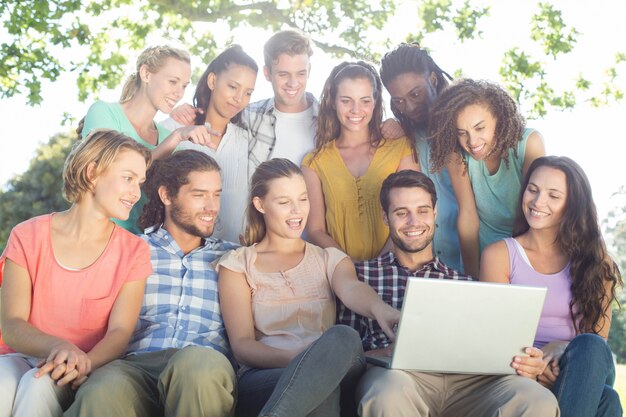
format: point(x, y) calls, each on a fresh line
point(181, 306)
point(388, 278)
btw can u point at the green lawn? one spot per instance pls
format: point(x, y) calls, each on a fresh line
point(620, 384)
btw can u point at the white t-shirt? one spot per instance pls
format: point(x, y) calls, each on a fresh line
point(295, 135)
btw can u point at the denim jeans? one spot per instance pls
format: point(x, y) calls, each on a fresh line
point(584, 385)
point(311, 384)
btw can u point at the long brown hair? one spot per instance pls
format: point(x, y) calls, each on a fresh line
point(328, 126)
point(579, 237)
point(259, 187)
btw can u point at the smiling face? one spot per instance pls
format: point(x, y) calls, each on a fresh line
point(285, 207)
point(413, 94)
point(411, 219)
point(117, 189)
point(166, 87)
point(354, 104)
point(231, 91)
point(544, 199)
point(194, 209)
point(476, 127)
point(289, 75)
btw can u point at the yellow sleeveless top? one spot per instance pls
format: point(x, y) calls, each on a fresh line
point(353, 212)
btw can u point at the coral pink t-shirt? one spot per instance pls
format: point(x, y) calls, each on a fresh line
point(74, 305)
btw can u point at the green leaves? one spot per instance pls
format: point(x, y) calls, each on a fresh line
point(549, 29)
point(38, 190)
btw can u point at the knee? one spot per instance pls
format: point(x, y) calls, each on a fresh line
point(344, 337)
point(537, 399)
point(205, 364)
point(32, 387)
point(589, 342)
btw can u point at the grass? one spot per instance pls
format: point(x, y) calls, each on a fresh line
point(620, 383)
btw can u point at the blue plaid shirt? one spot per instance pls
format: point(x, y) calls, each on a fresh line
point(181, 306)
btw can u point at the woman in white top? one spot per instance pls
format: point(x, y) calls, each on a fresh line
point(222, 92)
point(278, 302)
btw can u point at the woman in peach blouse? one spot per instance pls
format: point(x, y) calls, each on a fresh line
point(277, 298)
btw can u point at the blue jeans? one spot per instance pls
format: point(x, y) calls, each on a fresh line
point(311, 385)
point(584, 385)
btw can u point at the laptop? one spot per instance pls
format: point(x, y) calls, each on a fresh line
point(465, 327)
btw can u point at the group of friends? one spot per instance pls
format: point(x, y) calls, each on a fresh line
point(243, 258)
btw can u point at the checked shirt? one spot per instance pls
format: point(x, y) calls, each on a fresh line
point(388, 278)
point(180, 306)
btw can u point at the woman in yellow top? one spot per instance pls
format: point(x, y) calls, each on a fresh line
point(345, 172)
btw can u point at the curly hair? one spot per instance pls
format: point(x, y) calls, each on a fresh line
point(234, 54)
point(410, 58)
point(442, 129)
point(171, 172)
point(580, 238)
point(328, 126)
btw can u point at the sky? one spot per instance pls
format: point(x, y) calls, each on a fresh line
point(594, 137)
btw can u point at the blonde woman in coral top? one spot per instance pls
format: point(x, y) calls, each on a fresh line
point(345, 172)
point(74, 280)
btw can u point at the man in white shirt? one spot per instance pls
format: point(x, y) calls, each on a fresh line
point(283, 126)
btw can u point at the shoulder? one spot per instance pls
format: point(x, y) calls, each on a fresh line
point(497, 251)
point(317, 156)
point(331, 255)
point(102, 107)
point(237, 260)
point(449, 272)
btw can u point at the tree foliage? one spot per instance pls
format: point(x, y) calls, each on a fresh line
point(39, 189)
point(107, 32)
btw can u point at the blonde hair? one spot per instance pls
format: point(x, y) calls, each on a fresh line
point(154, 59)
point(101, 146)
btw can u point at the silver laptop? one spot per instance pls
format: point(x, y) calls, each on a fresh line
point(464, 326)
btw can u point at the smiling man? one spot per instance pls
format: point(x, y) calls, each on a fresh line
point(283, 126)
point(178, 362)
point(408, 200)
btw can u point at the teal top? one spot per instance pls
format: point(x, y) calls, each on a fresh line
point(497, 195)
point(111, 116)
point(446, 240)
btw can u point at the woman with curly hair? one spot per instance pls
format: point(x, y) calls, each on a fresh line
point(345, 172)
point(477, 132)
point(557, 244)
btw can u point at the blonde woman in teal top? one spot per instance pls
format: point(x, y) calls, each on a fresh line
point(478, 134)
point(158, 84)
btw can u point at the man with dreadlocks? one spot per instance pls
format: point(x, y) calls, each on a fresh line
point(179, 362)
point(414, 81)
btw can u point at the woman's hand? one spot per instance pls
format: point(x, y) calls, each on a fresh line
point(387, 318)
point(185, 114)
point(200, 135)
point(550, 374)
point(64, 364)
point(530, 366)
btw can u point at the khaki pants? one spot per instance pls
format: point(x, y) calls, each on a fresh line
point(189, 382)
point(395, 393)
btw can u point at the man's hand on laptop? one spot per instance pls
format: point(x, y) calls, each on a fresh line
point(530, 366)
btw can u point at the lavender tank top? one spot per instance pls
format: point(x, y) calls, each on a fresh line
point(555, 322)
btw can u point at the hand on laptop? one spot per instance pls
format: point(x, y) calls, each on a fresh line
point(387, 318)
point(530, 366)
